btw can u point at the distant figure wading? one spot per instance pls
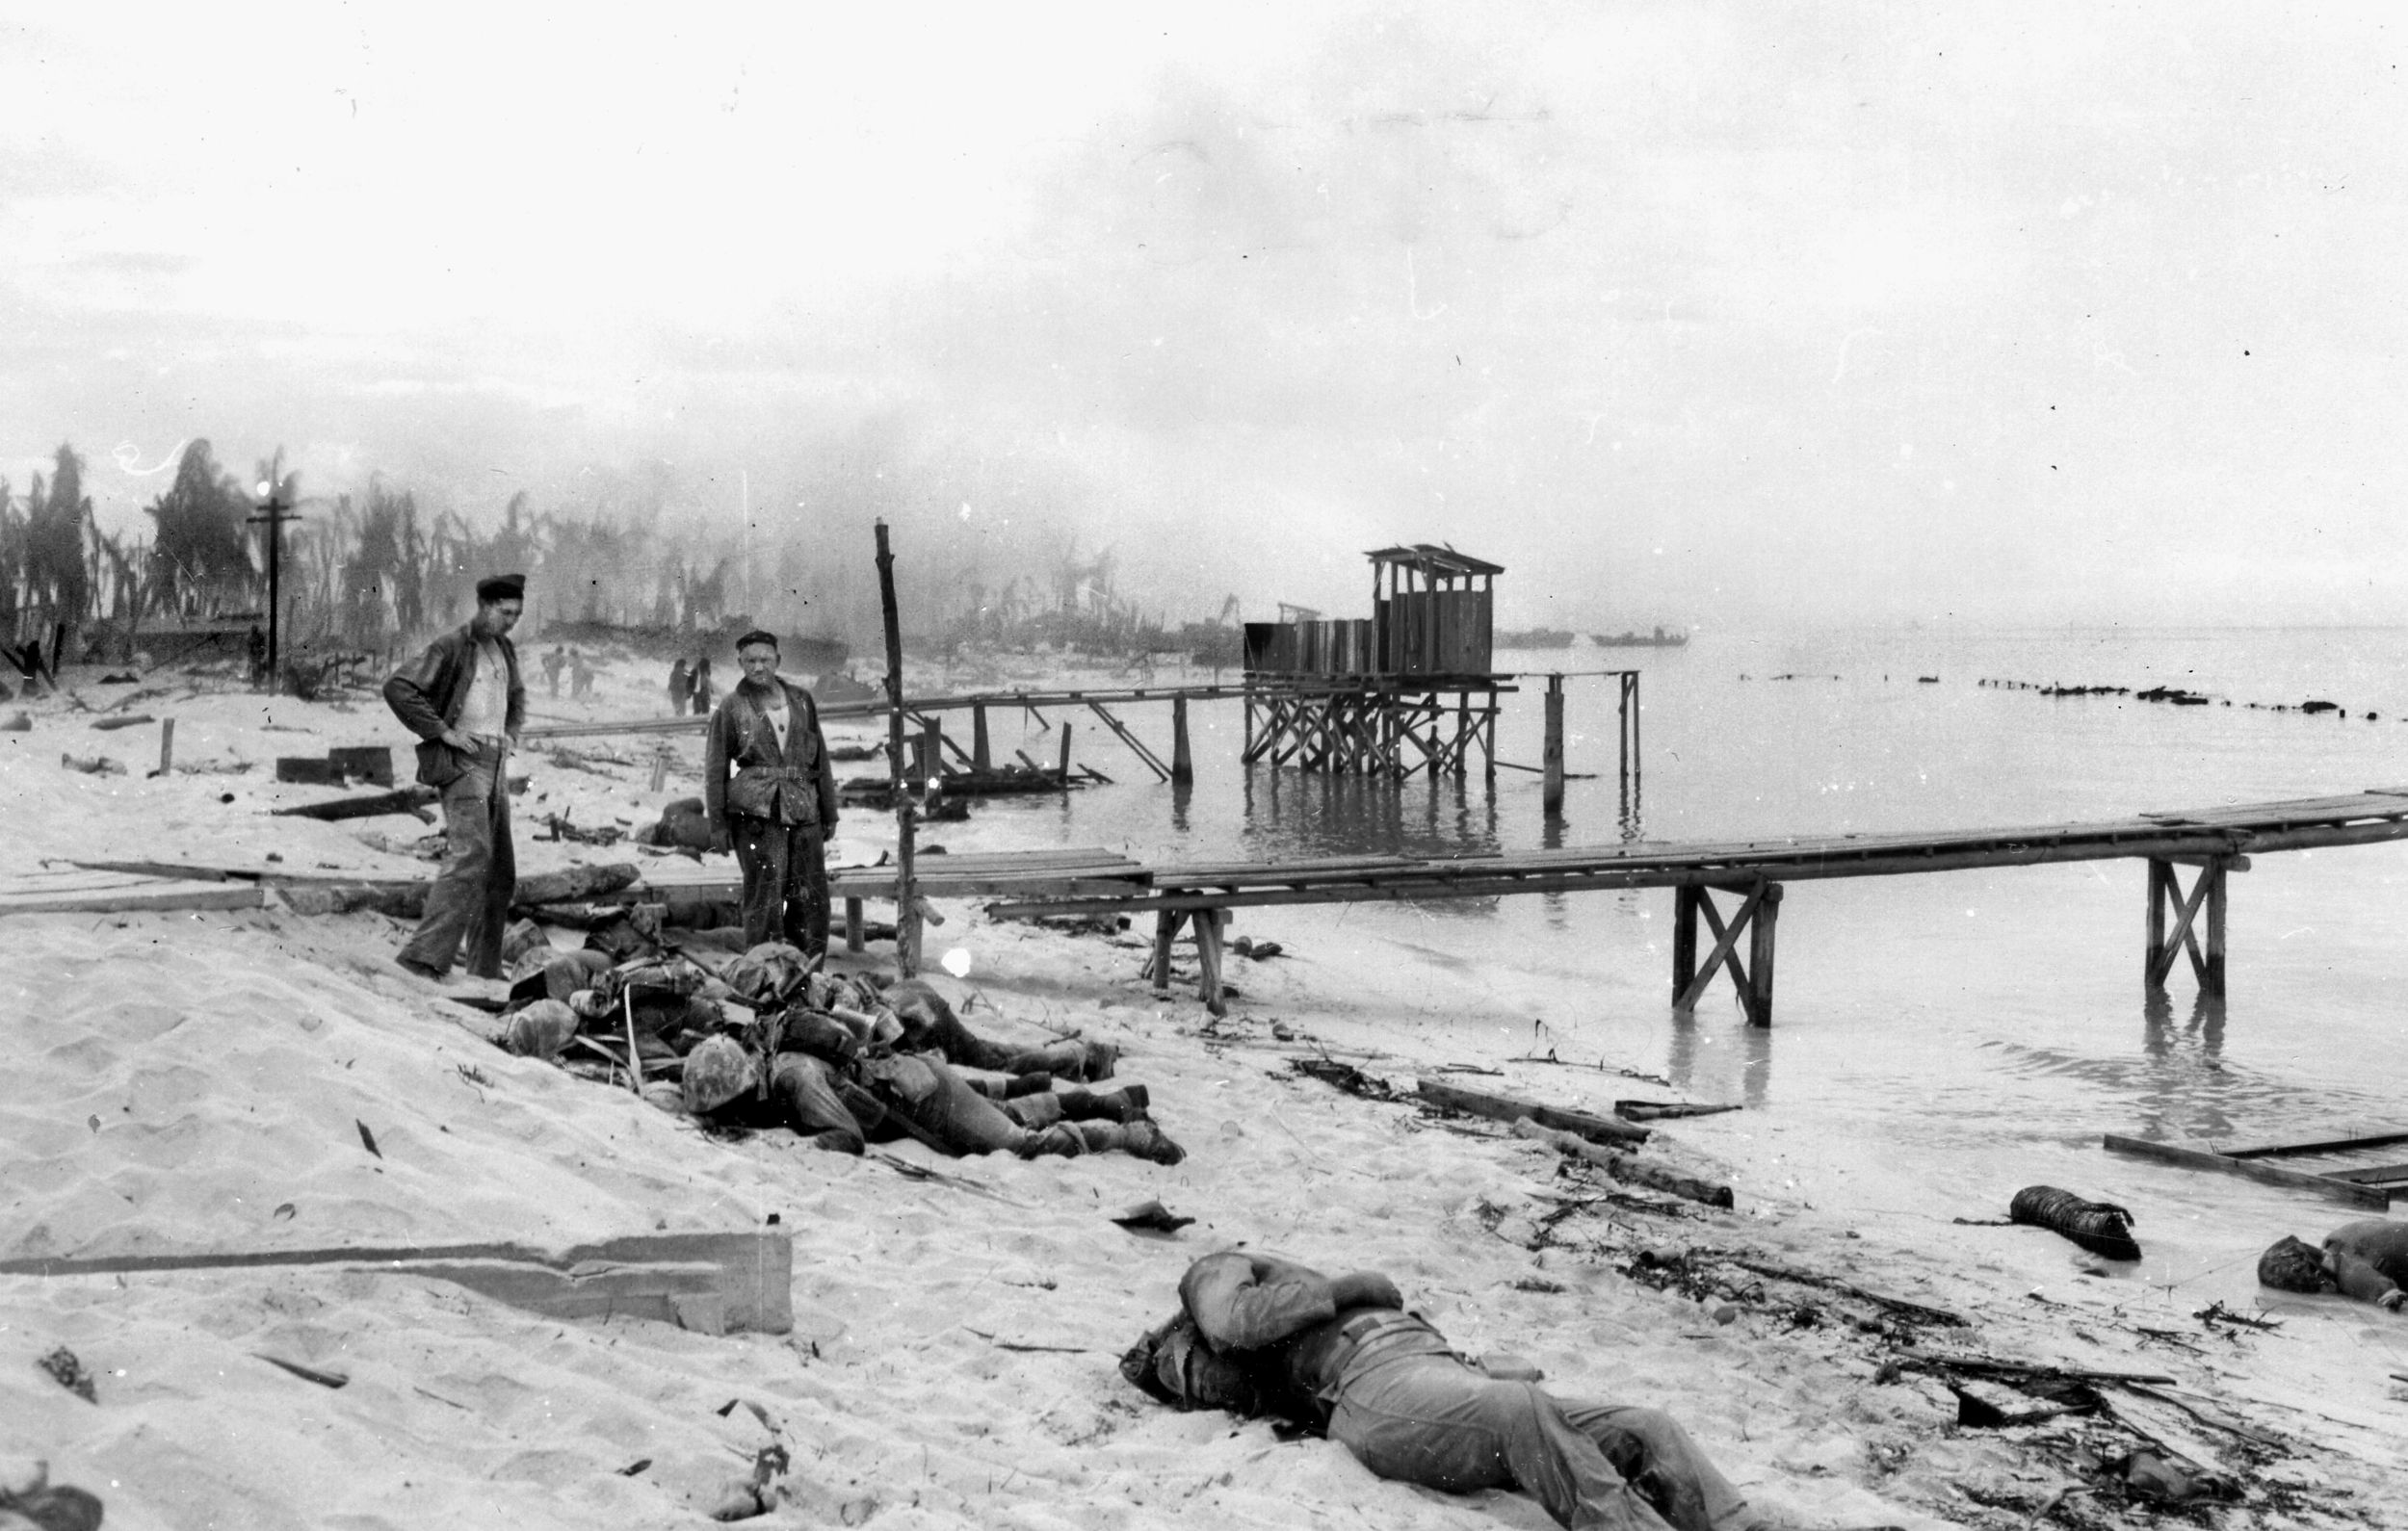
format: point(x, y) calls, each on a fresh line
point(464, 699)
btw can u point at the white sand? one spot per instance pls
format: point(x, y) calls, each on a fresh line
point(189, 1082)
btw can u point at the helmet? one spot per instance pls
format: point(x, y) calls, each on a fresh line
point(541, 1030)
point(716, 1071)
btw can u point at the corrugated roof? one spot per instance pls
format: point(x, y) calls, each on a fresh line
point(1433, 559)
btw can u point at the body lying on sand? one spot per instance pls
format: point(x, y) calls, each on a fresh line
point(1257, 1333)
point(769, 1040)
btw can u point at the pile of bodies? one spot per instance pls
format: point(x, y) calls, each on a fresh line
point(770, 1040)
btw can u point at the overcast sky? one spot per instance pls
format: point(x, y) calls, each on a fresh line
point(1728, 315)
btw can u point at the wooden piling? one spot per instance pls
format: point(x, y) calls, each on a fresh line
point(167, 745)
point(1182, 758)
point(1684, 940)
point(1550, 792)
point(979, 759)
point(1759, 958)
point(1066, 752)
point(2211, 980)
point(933, 750)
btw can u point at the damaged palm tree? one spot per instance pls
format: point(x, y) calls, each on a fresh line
point(2100, 1227)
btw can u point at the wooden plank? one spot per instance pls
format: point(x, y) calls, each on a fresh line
point(1508, 1110)
point(754, 1270)
point(145, 897)
point(2336, 1145)
point(2324, 1186)
point(2378, 1175)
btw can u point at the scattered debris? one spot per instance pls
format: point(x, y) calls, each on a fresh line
point(2216, 1312)
point(95, 765)
point(70, 1373)
point(1345, 1077)
point(1151, 1216)
point(323, 1379)
point(367, 1137)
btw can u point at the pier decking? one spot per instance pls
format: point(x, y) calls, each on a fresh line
point(2210, 842)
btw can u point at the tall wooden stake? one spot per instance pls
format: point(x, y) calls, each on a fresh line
point(1182, 759)
point(1551, 790)
point(906, 811)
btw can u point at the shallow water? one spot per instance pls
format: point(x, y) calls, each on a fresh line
point(1976, 1030)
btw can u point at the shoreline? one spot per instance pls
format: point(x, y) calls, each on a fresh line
point(186, 1077)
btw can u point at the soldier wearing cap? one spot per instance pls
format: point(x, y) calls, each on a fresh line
point(464, 699)
point(779, 807)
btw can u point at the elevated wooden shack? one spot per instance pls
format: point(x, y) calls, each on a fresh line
point(1411, 689)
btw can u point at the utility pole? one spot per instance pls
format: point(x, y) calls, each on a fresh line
point(275, 512)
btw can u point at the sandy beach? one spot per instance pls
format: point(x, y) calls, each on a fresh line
point(198, 1081)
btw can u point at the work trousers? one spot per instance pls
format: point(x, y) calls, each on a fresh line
point(469, 904)
point(785, 887)
point(1434, 1420)
point(929, 1100)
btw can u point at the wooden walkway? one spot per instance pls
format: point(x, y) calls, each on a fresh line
point(2208, 843)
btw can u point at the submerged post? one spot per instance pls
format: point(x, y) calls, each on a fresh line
point(979, 759)
point(1066, 752)
point(906, 892)
point(1182, 759)
point(1551, 792)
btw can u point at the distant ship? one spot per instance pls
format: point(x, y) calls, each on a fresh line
point(1536, 637)
point(1658, 639)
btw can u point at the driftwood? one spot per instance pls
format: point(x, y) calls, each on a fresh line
point(1508, 1110)
point(1627, 1167)
point(1652, 1110)
point(402, 800)
point(1899, 1305)
point(107, 723)
point(2100, 1227)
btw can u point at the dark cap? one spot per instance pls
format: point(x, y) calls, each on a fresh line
point(757, 636)
point(501, 588)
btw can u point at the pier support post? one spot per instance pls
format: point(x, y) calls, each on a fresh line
point(167, 746)
point(979, 758)
point(854, 934)
point(1182, 759)
point(933, 750)
point(1684, 942)
point(1760, 907)
point(2166, 895)
point(1066, 752)
point(1551, 763)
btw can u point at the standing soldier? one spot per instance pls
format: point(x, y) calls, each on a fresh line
point(777, 813)
point(464, 701)
point(703, 683)
point(552, 663)
point(680, 686)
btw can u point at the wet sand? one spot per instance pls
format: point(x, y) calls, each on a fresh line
point(193, 1081)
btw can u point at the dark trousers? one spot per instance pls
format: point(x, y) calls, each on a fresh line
point(785, 867)
point(470, 903)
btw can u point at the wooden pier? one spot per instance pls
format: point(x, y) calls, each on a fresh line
point(2205, 845)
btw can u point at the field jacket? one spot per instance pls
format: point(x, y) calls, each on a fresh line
point(792, 787)
point(427, 694)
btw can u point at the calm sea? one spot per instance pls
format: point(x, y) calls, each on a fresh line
point(1977, 1030)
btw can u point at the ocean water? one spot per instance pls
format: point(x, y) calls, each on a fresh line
point(1953, 1035)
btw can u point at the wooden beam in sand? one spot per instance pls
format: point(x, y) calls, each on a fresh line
point(708, 1281)
point(84, 892)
